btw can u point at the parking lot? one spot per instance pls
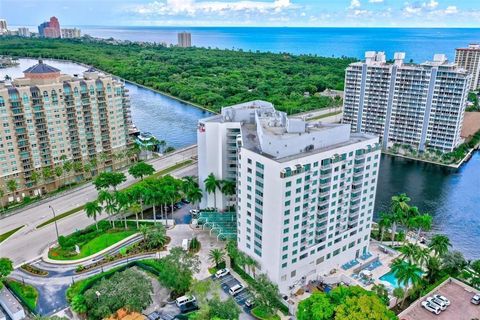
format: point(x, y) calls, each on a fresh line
point(169, 311)
point(226, 283)
point(460, 307)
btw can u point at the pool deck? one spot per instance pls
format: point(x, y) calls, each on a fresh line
point(345, 276)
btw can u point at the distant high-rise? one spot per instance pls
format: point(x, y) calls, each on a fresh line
point(70, 33)
point(24, 32)
point(3, 26)
point(50, 29)
point(184, 39)
point(417, 105)
point(469, 58)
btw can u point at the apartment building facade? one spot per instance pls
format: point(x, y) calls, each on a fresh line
point(469, 59)
point(305, 191)
point(418, 105)
point(184, 39)
point(71, 33)
point(48, 118)
point(50, 29)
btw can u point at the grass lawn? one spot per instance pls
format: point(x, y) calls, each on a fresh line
point(26, 293)
point(326, 115)
point(7, 234)
point(260, 313)
point(60, 216)
point(93, 246)
point(172, 168)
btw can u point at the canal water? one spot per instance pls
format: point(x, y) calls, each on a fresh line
point(451, 196)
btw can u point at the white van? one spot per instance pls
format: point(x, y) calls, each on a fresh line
point(184, 299)
point(236, 289)
point(185, 244)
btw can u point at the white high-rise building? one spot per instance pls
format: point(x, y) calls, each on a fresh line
point(469, 59)
point(418, 105)
point(24, 32)
point(305, 191)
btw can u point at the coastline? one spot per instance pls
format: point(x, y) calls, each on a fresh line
point(450, 166)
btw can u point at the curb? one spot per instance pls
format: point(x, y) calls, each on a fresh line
point(45, 257)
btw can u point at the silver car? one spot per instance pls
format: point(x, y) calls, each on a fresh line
point(438, 302)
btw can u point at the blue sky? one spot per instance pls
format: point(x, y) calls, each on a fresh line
point(344, 13)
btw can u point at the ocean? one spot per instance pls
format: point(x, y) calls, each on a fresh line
point(419, 44)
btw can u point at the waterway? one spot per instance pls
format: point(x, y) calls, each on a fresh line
point(451, 196)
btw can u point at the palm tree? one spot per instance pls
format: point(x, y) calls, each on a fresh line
point(195, 195)
point(251, 264)
point(35, 178)
point(144, 231)
point(105, 197)
point(150, 199)
point(67, 168)
point(229, 188)
point(398, 293)
point(12, 186)
point(421, 223)
point(122, 203)
point(407, 274)
point(211, 186)
point(409, 252)
point(188, 183)
point(439, 244)
point(2, 194)
point(434, 267)
point(399, 209)
point(93, 209)
point(136, 209)
point(384, 222)
point(216, 256)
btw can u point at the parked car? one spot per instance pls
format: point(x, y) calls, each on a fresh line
point(438, 302)
point(155, 315)
point(433, 308)
point(249, 303)
point(184, 299)
point(475, 299)
point(236, 289)
point(440, 297)
point(188, 307)
point(221, 273)
point(194, 212)
point(185, 201)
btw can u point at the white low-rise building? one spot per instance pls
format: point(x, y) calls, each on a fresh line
point(11, 305)
point(305, 191)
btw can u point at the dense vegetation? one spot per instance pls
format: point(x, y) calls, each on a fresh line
point(344, 303)
point(209, 77)
point(128, 289)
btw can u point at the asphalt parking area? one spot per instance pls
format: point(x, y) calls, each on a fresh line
point(460, 307)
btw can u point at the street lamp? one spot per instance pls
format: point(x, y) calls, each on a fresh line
point(54, 220)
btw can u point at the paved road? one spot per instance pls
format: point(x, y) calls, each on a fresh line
point(29, 243)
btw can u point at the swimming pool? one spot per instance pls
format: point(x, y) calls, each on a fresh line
point(390, 278)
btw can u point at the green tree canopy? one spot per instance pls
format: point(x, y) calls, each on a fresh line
point(344, 303)
point(141, 169)
point(129, 289)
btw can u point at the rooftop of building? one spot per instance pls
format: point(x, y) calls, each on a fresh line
point(275, 135)
point(460, 306)
point(379, 59)
point(41, 67)
point(10, 302)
